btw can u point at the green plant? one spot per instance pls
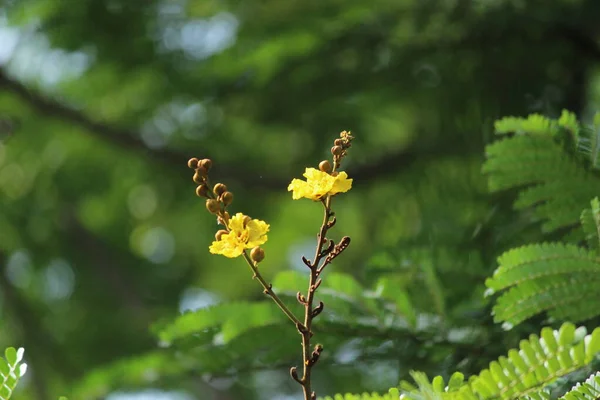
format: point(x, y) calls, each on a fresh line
point(552, 164)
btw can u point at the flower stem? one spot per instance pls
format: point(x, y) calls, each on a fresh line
point(307, 355)
point(269, 291)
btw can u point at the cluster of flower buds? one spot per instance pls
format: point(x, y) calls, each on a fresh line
point(339, 149)
point(219, 197)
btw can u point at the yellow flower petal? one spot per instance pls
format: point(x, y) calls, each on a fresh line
point(319, 184)
point(228, 246)
point(299, 189)
point(236, 223)
point(342, 184)
point(257, 233)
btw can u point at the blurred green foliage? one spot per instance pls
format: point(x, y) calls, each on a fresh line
point(102, 241)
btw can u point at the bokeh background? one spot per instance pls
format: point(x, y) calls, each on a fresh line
point(103, 101)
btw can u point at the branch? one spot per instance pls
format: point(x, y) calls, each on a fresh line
point(130, 140)
point(123, 137)
point(268, 290)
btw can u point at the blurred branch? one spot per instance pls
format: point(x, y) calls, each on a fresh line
point(130, 140)
point(123, 137)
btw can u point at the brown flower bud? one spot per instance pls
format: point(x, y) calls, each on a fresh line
point(219, 189)
point(336, 150)
point(257, 254)
point(220, 234)
point(227, 198)
point(198, 178)
point(227, 216)
point(206, 163)
point(338, 142)
point(325, 166)
point(202, 191)
point(247, 219)
point(201, 170)
point(193, 163)
point(213, 206)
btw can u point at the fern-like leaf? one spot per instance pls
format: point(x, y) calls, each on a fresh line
point(547, 160)
point(522, 374)
point(554, 277)
point(588, 142)
point(11, 371)
point(533, 124)
point(538, 260)
point(590, 221)
point(553, 182)
point(392, 395)
point(588, 390)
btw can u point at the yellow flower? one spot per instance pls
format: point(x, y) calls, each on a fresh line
point(319, 184)
point(244, 233)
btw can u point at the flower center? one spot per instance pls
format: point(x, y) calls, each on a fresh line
point(243, 235)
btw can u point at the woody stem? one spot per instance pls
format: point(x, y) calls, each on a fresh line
point(308, 306)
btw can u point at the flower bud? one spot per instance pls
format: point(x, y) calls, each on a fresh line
point(257, 254)
point(213, 206)
point(206, 163)
point(193, 163)
point(220, 234)
point(201, 170)
point(325, 166)
point(219, 189)
point(198, 178)
point(336, 150)
point(338, 142)
point(227, 198)
point(247, 219)
point(202, 191)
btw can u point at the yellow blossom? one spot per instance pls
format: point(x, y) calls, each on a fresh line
point(244, 233)
point(319, 184)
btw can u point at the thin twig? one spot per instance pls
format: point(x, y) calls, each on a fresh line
point(269, 290)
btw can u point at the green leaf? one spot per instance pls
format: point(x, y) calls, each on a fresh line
point(541, 260)
point(11, 356)
point(568, 121)
point(590, 222)
point(551, 181)
point(456, 381)
point(588, 390)
point(534, 124)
